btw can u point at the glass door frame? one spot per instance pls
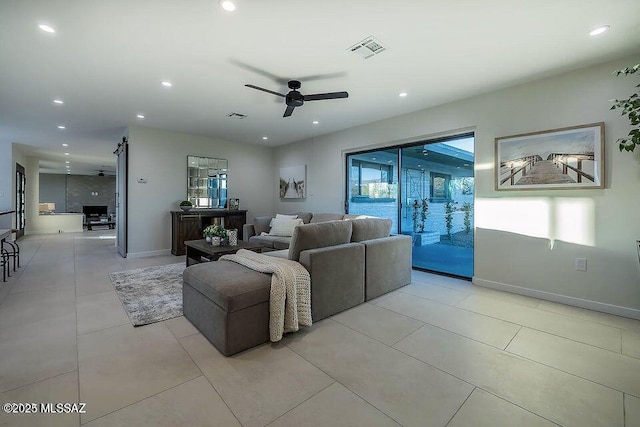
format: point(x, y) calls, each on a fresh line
point(400, 189)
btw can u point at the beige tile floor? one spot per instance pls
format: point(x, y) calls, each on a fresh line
point(439, 352)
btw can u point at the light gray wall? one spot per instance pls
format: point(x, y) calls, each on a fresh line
point(526, 241)
point(160, 157)
point(53, 188)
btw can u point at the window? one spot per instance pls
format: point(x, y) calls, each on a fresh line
point(372, 180)
point(439, 187)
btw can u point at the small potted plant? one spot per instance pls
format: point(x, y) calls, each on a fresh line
point(186, 205)
point(215, 234)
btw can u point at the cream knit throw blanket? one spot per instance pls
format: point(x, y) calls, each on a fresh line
point(290, 297)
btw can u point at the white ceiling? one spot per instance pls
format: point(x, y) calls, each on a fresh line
point(107, 59)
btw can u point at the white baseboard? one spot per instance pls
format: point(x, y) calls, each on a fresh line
point(148, 254)
point(563, 299)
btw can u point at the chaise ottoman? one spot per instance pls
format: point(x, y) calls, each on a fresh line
point(228, 303)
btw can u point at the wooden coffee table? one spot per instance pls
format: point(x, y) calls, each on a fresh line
point(199, 249)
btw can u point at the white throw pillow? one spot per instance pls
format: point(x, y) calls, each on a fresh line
point(284, 228)
point(281, 217)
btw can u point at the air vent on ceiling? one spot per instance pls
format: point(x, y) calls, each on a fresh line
point(368, 48)
point(237, 116)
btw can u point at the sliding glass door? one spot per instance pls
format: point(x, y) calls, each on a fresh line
point(373, 184)
point(427, 189)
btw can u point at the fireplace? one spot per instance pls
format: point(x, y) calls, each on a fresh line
point(93, 213)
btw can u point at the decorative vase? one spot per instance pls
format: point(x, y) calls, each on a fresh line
point(186, 208)
point(232, 235)
point(208, 239)
point(215, 241)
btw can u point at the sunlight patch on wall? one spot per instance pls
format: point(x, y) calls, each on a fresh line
point(574, 220)
point(529, 217)
point(570, 220)
point(483, 166)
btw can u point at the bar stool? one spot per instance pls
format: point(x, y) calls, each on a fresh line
point(13, 251)
point(4, 261)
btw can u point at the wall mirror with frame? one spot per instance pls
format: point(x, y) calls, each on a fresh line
point(207, 182)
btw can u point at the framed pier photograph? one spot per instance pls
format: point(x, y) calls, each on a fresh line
point(566, 158)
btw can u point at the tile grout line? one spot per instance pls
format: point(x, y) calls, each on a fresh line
point(512, 338)
point(344, 385)
point(75, 293)
point(565, 372)
point(17, 277)
point(205, 377)
point(37, 381)
point(539, 300)
point(517, 405)
point(142, 399)
point(460, 407)
point(304, 401)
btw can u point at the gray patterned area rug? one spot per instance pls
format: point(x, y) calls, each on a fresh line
point(150, 294)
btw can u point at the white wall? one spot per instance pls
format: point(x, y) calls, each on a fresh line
point(161, 158)
point(526, 241)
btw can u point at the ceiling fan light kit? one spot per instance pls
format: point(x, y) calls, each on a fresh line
point(295, 99)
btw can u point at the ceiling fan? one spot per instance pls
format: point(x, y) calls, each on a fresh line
point(295, 99)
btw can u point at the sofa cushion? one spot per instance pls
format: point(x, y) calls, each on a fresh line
point(284, 227)
point(280, 243)
point(370, 228)
point(304, 216)
point(284, 253)
point(324, 217)
point(261, 224)
point(312, 236)
point(271, 242)
point(231, 286)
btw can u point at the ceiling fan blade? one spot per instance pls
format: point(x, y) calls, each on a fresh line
point(330, 95)
point(288, 111)
point(265, 90)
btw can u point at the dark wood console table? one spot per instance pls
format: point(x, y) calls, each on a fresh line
point(189, 225)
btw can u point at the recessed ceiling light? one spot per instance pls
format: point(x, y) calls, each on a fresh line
point(373, 158)
point(58, 101)
point(65, 145)
point(228, 5)
point(402, 94)
point(167, 83)
point(265, 137)
point(315, 122)
point(68, 173)
point(419, 166)
point(140, 116)
point(599, 30)
point(46, 28)
point(390, 161)
point(62, 127)
point(66, 154)
point(67, 161)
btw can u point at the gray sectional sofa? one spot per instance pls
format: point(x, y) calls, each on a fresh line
point(349, 262)
point(252, 233)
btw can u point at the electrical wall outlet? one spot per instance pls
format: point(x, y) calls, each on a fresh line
point(581, 264)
